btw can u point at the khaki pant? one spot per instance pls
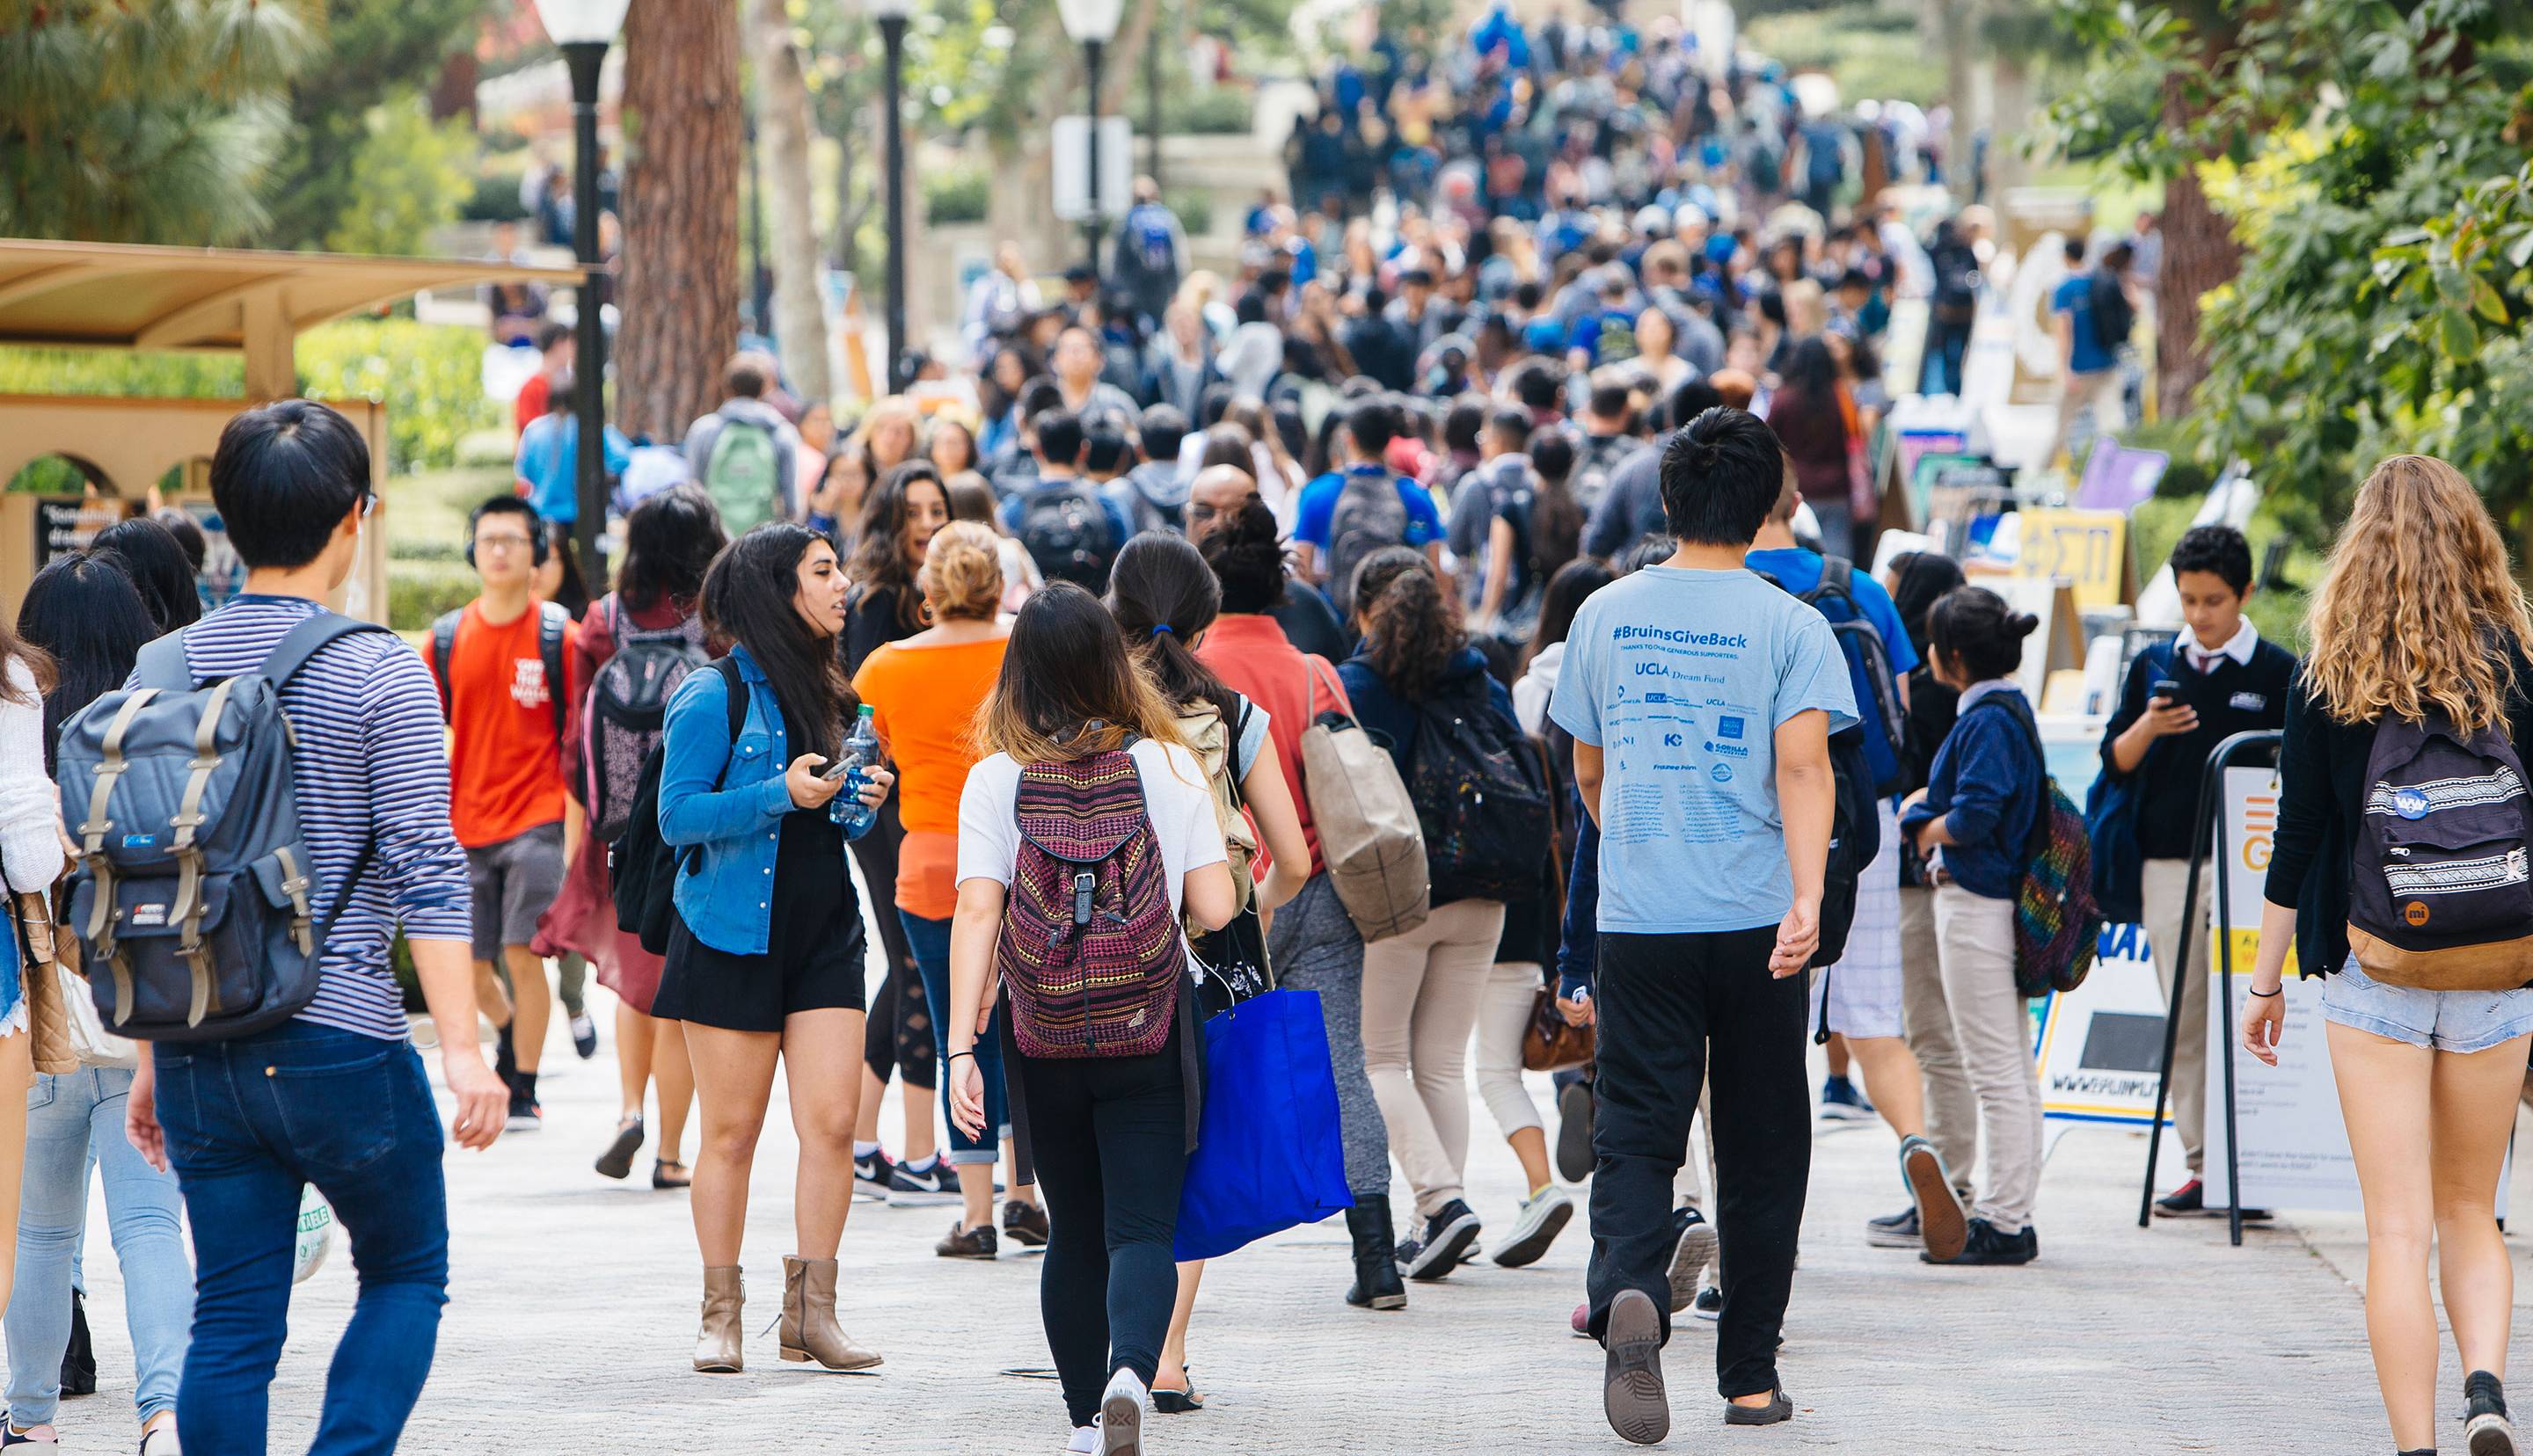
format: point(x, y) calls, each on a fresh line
point(1974, 945)
point(1503, 1021)
point(1421, 992)
point(2082, 398)
point(2162, 883)
point(1952, 1108)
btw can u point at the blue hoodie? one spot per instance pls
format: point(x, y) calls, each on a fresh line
point(1987, 786)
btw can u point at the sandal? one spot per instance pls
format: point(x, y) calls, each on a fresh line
point(617, 1160)
point(1178, 1402)
point(669, 1173)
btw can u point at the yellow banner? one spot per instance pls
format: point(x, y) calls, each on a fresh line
point(2086, 549)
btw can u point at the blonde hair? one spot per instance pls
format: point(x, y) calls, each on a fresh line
point(2418, 610)
point(963, 573)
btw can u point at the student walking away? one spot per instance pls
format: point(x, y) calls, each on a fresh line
point(1070, 529)
point(89, 617)
point(2214, 681)
point(765, 958)
point(547, 465)
point(1951, 310)
point(1972, 822)
point(1221, 493)
point(1701, 990)
point(2407, 733)
point(911, 505)
point(1857, 1001)
point(1150, 253)
point(634, 648)
point(745, 453)
point(320, 1085)
point(1813, 414)
point(501, 664)
point(1630, 507)
point(1312, 943)
point(972, 499)
point(924, 693)
point(1154, 493)
point(1609, 439)
point(1482, 799)
point(1167, 600)
point(1363, 507)
point(159, 564)
point(2093, 319)
point(1088, 792)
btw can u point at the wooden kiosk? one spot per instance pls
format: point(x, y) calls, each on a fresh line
point(190, 300)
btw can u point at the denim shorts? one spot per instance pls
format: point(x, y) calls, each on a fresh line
point(2440, 1020)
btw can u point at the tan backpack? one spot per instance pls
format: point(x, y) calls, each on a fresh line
point(1370, 839)
point(1216, 748)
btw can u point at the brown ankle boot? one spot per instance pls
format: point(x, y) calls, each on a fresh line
point(717, 1344)
point(809, 1330)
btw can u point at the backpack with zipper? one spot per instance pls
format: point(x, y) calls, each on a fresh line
point(1066, 530)
point(743, 474)
point(2057, 926)
point(554, 622)
point(2438, 895)
point(194, 895)
point(1369, 515)
point(628, 710)
point(1868, 669)
point(1856, 824)
point(1481, 799)
point(2110, 817)
point(642, 866)
point(2114, 317)
point(1090, 952)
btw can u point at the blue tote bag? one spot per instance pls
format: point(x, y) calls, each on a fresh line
point(1267, 1155)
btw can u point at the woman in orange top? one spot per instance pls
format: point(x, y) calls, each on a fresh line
point(924, 692)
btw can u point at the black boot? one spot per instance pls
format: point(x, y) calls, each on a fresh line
point(79, 1358)
point(1376, 1284)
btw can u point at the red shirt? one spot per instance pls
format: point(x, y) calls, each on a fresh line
point(533, 397)
point(1254, 657)
point(505, 755)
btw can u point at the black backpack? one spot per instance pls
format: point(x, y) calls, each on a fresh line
point(1856, 824)
point(1481, 799)
point(2439, 891)
point(1868, 669)
point(2114, 317)
point(1066, 530)
point(641, 864)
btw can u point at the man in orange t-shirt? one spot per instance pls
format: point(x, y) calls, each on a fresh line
point(497, 661)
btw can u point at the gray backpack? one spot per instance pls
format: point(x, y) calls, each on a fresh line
point(1369, 515)
point(2440, 889)
point(194, 892)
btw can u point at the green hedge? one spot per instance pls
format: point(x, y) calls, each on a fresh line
point(955, 194)
point(429, 374)
point(419, 591)
point(1220, 111)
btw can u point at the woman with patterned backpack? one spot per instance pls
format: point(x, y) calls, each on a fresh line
point(2399, 875)
point(1987, 784)
point(1087, 838)
point(1165, 598)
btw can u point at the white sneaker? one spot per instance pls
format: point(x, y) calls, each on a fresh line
point(35, 1438)
point(160, 1441)
point(1542, 1219)
point(1121, 1416)
point(1084, 1442)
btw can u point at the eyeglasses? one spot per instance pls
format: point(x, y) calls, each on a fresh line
point(503, 543)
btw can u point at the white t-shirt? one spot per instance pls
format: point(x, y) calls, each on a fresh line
point(1177, 798)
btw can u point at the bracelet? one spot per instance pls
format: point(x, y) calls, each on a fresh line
point(954, 1056)
point(2281, 991)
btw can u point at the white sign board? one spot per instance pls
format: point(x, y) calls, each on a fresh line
point(2101, 1047)
point(1070, 146)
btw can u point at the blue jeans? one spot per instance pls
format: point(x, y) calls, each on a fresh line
point(930, 942)
point(248, 1122)
point(68, 1116)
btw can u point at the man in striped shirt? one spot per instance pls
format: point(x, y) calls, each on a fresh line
point(338, 1096)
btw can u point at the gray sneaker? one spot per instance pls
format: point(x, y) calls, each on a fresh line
point(1542, 1219)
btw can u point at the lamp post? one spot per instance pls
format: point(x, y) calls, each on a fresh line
point(583, 29)
point(1091, 23)
point(891, 14)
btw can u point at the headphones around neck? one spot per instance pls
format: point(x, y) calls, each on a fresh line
point(539, 541)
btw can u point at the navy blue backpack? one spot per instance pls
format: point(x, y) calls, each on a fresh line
point(2110, 820)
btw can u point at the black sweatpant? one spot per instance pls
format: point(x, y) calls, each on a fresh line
point(897, 1035)
point(1674, 1010)
point(1108, 1135)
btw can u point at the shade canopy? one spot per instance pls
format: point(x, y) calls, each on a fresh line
point(570, 22)
point(1091, 19)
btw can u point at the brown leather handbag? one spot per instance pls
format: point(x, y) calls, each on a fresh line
point(30, 915)
point(1549, 1044)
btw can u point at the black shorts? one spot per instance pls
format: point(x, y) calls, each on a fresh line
point(812, 961)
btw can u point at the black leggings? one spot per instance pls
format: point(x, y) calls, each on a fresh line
point(898, 1034)
point(1109, 1138)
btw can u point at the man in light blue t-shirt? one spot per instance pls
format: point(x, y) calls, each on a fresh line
point(1701, 699)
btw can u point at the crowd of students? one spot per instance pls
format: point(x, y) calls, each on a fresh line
point(1534, 514)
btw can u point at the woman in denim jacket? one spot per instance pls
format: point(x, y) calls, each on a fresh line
point(765, 961)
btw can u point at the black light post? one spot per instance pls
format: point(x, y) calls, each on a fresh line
point(760, 280)
point(1092, 23)
point(891, 14)
point(1152, 103)
point(583, 29)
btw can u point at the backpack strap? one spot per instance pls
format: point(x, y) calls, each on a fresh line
point(161, 664)
point(307, 639)
point(554, 623)
point(443, 644)
point(735, 688)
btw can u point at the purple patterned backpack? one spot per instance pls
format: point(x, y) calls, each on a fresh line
point(1090, 949)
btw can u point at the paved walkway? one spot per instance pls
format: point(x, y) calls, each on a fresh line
point(573, 1307)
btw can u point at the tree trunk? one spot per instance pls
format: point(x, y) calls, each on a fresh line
point(783, 141)
point(680, 264)
point(2198, 253)
point(2009, 118)
point(1955, 31)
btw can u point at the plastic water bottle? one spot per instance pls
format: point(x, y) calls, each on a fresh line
point(861, 747)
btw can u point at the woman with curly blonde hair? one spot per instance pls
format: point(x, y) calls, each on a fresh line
point(2417, 623)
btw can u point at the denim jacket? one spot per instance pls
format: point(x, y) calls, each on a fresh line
point(726, 892)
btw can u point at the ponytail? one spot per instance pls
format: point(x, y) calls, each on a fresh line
point(1163, 596)
point(1247, 559)
point(1978, 634)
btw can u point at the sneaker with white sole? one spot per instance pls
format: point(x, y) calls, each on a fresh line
point(160, 1441)
point(1942, 1222)
point(1692, 1249)
point(34, 1438)
point(1121, 1416)
point(1084, 1442)
point(872, 1172)
point(1445, 1242)
point(1542, 1219)
point(1895, 1230)
point(924, 1188)
point(584, 1039)
point(1710, 1304)
point(1841, 1102)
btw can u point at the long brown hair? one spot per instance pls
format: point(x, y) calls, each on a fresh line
point(1066, 670)
point(879, 552)
point(2418, 609)
point(748, 599)
point(1411, 626)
